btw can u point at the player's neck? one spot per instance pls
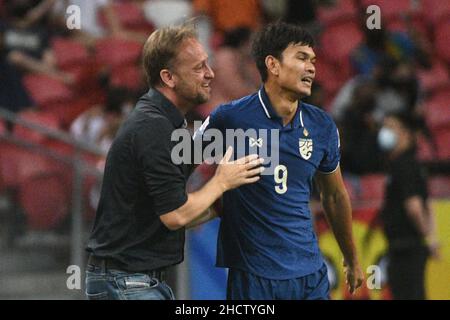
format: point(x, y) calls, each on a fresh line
point(284, 104)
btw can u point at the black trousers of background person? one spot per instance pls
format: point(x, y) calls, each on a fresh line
point(406, 273)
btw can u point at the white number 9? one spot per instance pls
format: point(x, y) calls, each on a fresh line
point(280, 176)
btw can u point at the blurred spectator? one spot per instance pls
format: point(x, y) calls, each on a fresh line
point(381, 44)
point(235, 70)
point(407, 215)
point(230, 14)
point(303, 13)
point(358, 131)
point(98, 126)
point(26, 38)
point(118, 22)
point(396, 85)
point(398, 88)
point(13, 95)
point(24, 47)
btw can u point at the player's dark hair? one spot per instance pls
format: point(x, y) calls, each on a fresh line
point(274, 39)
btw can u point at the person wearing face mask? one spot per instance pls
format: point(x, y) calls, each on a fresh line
point(406, 214)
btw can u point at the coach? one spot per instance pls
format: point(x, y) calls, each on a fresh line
point(139, 226)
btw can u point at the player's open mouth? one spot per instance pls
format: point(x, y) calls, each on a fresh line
point(307, 80)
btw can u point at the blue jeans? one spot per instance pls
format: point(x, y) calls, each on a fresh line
point(121, 285)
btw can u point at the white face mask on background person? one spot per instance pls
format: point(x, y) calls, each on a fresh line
point(387, 139)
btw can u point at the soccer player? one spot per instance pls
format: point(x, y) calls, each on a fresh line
point(266, 235)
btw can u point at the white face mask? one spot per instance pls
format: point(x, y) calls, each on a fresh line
point(387, 139)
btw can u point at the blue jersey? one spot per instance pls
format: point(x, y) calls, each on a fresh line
point(266, 227)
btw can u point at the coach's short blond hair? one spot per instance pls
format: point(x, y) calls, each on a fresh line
point(162, 47)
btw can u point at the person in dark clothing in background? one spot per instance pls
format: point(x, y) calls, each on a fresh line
point(407, 215)
point(358, 128)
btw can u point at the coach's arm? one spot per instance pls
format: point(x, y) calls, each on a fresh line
point(338, 211)
point(228, 175)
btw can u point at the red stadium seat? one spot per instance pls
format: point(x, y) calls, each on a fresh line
point(130, 16)
point(342, 10)
point(327, 76)
point(439, 187)
point(2, 127)
point(130, 77)
point(8, 165)
point(69, 52)
point(435, 10)
point(68, 111)
point(115, 52)
point(44, 119)
point(438, 109)
point(442, 139)
point(17, 164)
point(45, 200)
point(372, 188)
point(425, 149)
point(31, 163)
point(73, 58)
point(339, 41)
point(434, 78)
point(442, 39)
point(45, 90)
point(67, 171)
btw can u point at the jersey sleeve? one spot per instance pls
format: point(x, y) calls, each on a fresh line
point(332, 156)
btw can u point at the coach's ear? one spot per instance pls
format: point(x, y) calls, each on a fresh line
point(272, 65)
point(167, 78)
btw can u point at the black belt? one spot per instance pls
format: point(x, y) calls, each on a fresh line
point(108, 263)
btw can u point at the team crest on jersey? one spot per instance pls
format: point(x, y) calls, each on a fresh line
point(305, 146)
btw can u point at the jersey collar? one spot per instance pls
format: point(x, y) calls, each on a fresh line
point(270, 113)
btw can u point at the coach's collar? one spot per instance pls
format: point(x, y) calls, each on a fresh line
point(163, 104)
